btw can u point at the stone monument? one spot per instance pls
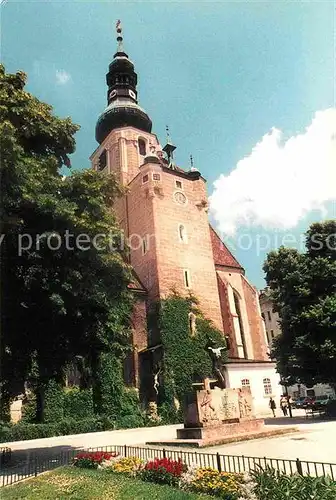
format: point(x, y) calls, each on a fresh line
point(212, 414)
point(215, 414)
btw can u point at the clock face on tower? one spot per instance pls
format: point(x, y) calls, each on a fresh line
point(180, 198)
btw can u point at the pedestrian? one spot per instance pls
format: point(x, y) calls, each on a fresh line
point(284, 405)
point(272, 405)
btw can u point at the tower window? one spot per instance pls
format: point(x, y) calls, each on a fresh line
point(240, 321)
point(156, 177)
point(272, 334)
point(178, 184)
point(144, 246)
point(182, 233)
point(102, 162)
point(142, 147)
point(267, 386)
point(269, 315)
point(186, 275)
point(145, 179)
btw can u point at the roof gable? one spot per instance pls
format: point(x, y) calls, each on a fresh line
point(221, 253)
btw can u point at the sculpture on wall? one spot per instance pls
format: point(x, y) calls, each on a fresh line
point(192, 323)
point(217, 361)
point(156, 381)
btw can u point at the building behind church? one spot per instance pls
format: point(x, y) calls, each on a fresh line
point(164, 215)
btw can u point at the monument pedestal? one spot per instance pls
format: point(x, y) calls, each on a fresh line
point(215, 416)
point(223, 430)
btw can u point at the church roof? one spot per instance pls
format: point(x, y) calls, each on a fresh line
point(136, 284)
point(222, 255)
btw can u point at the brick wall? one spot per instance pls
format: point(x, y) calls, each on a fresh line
point(227, 316)
point(259, 344)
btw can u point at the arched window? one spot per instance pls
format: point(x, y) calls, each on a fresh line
point(144, 246)
point(240, 320)
point(142, 147)
point(245, 382)
point(267, 386)
point(182, 233)
point(102, 161)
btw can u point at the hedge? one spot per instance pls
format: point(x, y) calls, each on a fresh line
point(24, 431)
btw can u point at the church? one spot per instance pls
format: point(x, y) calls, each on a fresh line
point(164, 215)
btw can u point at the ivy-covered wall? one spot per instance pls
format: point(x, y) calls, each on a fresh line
point(186, 358)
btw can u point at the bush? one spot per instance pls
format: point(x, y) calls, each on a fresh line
point(163, 471)
point(331, 408)
point(91, 459)
point(24, 431)
point(274, 485)
point(54, 396)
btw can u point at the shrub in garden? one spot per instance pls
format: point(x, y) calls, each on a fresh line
point(163, 471)
point(275, 485)
point(23, 431)
point(92, 459)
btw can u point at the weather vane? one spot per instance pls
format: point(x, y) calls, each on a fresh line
point(119, 37)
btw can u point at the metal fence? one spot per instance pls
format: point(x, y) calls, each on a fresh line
point(222, 463)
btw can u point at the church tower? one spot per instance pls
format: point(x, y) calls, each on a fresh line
point(164, 212)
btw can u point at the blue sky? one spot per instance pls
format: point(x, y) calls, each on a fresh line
point(222, 75)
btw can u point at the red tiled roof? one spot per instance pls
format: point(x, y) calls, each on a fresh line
point(222, 255)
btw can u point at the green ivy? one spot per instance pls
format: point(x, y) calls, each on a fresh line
point(78, 403)
point(185, 358)
point(54, 399)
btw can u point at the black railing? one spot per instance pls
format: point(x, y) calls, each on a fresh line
point(227, 463)
point(222, 463)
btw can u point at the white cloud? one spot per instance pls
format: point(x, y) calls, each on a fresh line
point(281, 180)
point(62, 77)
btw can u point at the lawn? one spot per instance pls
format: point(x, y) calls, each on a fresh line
point(84, 484)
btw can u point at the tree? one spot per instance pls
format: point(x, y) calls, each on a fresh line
point(303, 288)
point(63, 285)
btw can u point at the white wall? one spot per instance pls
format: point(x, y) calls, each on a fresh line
point(256, 372)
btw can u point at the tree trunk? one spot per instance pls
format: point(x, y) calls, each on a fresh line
point(40, 402)
point(96, 383)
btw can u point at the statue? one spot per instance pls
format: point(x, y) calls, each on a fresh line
point(217, 363)
point(192, 323)
point(156, 381)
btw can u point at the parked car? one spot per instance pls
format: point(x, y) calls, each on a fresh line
point(307, 402)
point(321, 401)
point(297, 403)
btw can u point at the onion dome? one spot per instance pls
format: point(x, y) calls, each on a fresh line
point(122, 109)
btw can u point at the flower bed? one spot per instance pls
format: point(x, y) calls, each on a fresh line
point(92, 459)
point(259, 485)
point(172, 472)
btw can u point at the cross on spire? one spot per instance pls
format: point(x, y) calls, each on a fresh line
point(119, 36)
point(169, 147)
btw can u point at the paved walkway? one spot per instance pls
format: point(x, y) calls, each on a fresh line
point(315, 441)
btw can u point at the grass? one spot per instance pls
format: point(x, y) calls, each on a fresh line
point(84, 484)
